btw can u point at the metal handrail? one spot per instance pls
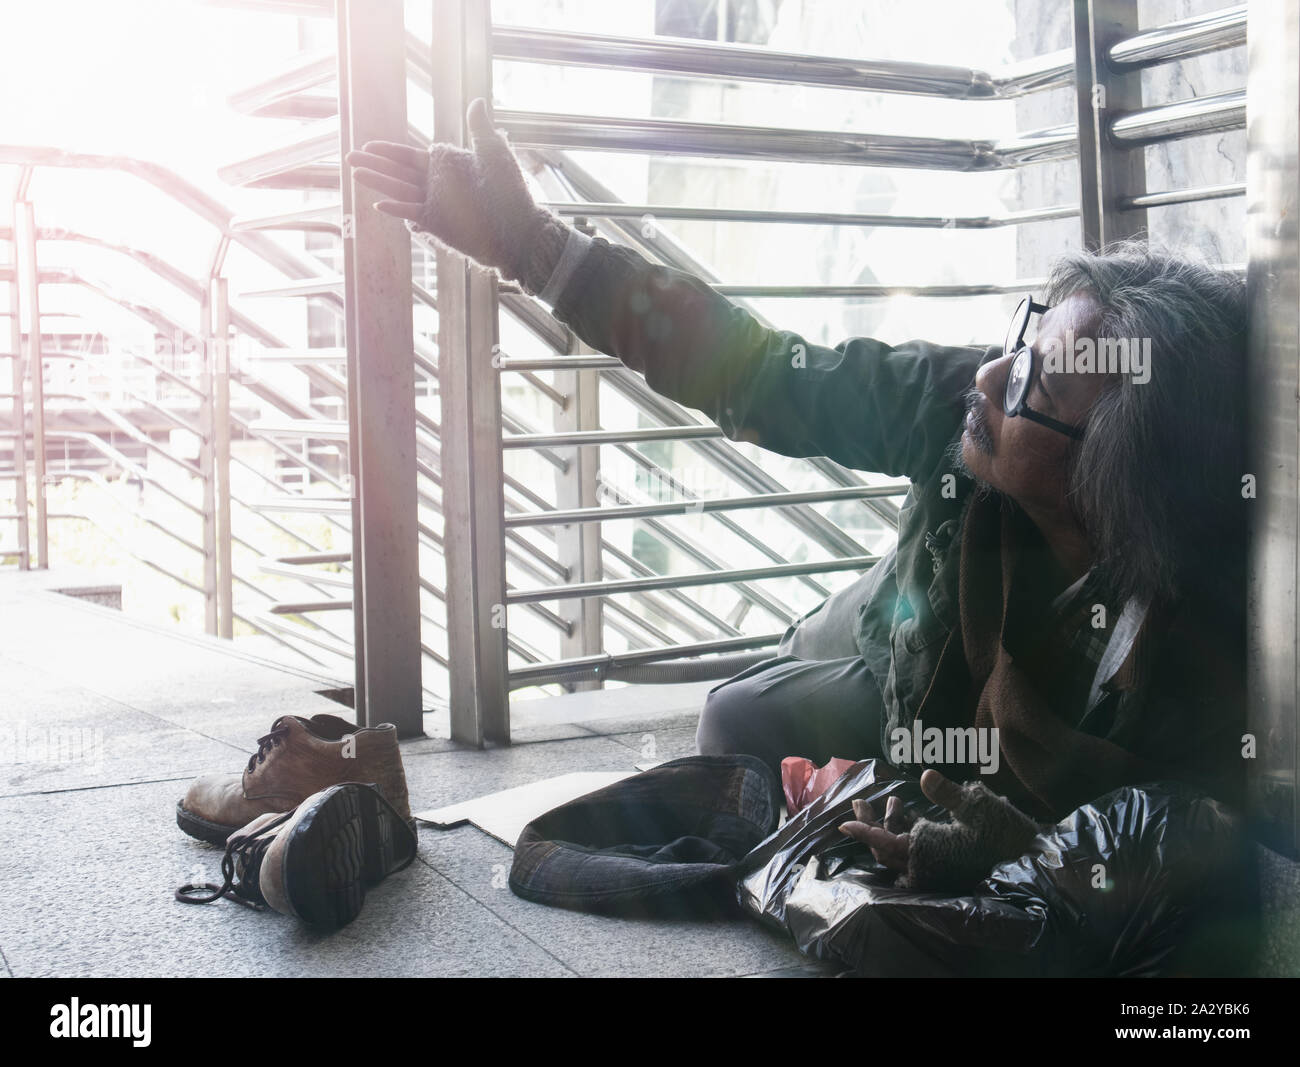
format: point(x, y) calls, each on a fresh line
point(1186, 196)
point(533, 129)
point(1212, 113)
point(579, 590)
point(514, 539)
point(1194, 36)
point(684, 56)
point(703, 505)
point(167, 181)
point(641, 212)
point(603, 665)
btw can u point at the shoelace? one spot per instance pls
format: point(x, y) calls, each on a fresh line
point(266, 743)
point(250, 850)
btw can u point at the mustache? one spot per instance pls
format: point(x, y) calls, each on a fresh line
point(978, 426)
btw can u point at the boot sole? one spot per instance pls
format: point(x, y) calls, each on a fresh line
point(349, 841)
point(215, 833)
point(211, 832)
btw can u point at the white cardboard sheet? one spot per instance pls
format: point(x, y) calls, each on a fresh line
point(505, 814)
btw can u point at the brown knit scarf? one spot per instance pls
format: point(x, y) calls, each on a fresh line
point(1047, 767)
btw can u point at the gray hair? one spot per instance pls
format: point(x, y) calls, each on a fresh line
point(1156, 481)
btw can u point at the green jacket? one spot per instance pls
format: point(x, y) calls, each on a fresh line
point(896, 409)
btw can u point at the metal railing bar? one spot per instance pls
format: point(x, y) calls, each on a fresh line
point(879, 291)
point(533, 317)
point(744, 574)
point(531, 314)
point(636, 567)
point(296, 163)
point(107, 450)
point(1185, 196)
point(560, 363)
point(1213, 113)
point(808, 218)
point(1194, 36)
point(302, 356)
point(433, 429)
point(690, 57)
point(600, 664)
point(685, 57)
point(172, 576)
point(321, 505)
point(326, 285)
point(309, 558)
point(749, 474)
point(323, 219)
point(139, 559)
point(244, 465)
point(267, 566)
point(303, 607)
point(304, 72)
point(159, 267)
point(317, 429)
point(167, 326)
point(171, 184)
point(312, 637)
point(100, 482)
point(514, 643)
point(772, 605)
point(514, 538)
point(535, 129)
point(556, 397)
point(317, 142)
point(1052, 70)
point(703, 505)
point(436, 504)
point(606, 437)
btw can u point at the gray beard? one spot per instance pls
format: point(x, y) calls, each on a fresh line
point(958, 461)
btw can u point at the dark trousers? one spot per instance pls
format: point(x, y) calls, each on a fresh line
point(788, 706)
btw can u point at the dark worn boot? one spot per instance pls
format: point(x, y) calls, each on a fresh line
point(297, 758)
point(317, 861)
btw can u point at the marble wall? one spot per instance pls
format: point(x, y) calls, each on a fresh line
point(1214, 229)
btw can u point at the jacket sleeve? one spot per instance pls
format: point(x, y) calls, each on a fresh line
point(865, 404)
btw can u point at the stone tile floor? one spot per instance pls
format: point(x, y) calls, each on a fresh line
point(92, 852)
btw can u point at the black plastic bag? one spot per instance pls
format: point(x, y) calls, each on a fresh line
point(1148, 880)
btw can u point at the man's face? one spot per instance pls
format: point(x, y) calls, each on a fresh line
point(1017, 456)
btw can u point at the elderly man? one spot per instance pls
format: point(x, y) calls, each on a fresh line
point(1064, 602)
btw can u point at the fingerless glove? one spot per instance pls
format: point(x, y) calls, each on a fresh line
point(955, 856)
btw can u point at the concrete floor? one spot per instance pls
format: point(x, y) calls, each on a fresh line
point(92, 851)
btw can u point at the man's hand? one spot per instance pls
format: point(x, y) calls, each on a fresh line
point(475, 202)
point(985, 830)
point(888, 837)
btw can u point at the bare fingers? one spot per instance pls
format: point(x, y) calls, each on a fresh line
point(889, 849)
point(403, 155)
point(400, 209)
point(941, 790)
point(389, 185)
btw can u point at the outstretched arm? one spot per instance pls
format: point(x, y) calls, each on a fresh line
point(863, 403)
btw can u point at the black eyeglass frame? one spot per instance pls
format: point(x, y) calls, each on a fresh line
point(1022, 370)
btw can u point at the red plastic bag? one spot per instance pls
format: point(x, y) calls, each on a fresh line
point(803, 782)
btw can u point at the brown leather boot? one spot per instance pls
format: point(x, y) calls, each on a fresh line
point(317, 861)
point(297, 758)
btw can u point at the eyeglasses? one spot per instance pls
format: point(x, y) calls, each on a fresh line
point(1021, 375)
